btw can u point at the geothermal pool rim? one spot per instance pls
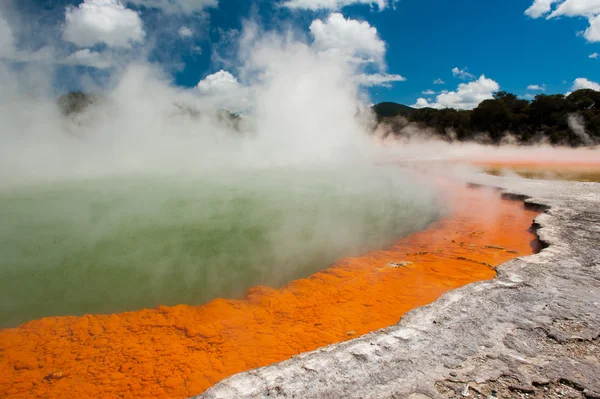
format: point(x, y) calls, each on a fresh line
point(534, 329)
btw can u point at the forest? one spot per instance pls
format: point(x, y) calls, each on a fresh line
point(555, 119)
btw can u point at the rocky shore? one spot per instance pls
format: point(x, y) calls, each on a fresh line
point(533, 331)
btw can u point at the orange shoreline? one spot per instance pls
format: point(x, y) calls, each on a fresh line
point(180, 351)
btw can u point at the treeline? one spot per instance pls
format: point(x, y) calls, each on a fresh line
point(76, 102)
point(556, 119)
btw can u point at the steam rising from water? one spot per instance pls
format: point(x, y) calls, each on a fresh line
point(301, 106)
point(577, 125)
point(150, 196)
point(107, 245)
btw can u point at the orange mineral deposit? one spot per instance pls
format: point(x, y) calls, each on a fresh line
point(180, 351)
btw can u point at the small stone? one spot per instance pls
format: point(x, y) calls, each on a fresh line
point(55, 376)
point(453, 374)
point(399, 264)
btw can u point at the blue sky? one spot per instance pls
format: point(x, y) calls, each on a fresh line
point(427, 38)
point(424, 39)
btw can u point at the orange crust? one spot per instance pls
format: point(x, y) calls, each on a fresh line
point(179, 351)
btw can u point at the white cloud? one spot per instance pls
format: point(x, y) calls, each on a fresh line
point(540, 8)
point(47, 54)
point(331, 4)
point(570, 8)
point(349, 37)
point(462, 73)
point(177, 6)
point(218, 82)
point(86, 57)
point(536, 88)
point(428, 92)
point(583, 83)
point(592, 34)
point(438, 82)
point(575, 8)
point(379, 79)
point(102, 21)
point(358, 42)
point(425, 103)
point(466, 96)
point(225, 91)
point(184, 32)
point(594, 55)
point(529, 96)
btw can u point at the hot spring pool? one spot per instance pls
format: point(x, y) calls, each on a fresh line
point(114, 244)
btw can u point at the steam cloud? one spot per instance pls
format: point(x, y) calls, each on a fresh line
point(301, 102)
point(154, 195)
point(577, 125)
point(293, 182)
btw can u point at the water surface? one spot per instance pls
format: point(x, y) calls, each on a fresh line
point(115, 244)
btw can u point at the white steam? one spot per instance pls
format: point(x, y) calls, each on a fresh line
point(301, 103)
point(577, 125)
point(155, 195)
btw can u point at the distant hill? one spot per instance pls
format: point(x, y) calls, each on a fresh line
point(390, 109)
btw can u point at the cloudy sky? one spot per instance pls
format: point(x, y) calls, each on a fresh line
point(418, 52)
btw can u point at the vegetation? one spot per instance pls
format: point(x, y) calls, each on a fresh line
point(557, 119)
point(74, 102)
point(389, 109)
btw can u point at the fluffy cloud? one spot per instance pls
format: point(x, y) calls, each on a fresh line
point(184, 32)
point(223, 90)
point(176, 6)
point(462, 73)
point(466, 96)
point(594, 55)
point(540, 8)
point(218, 82)
point(358, 42)
point(428, 92)
point(575, 8)
point(536, 88)
point(592, 34)
point(102, 21)
point(583, 83)
point(86, 57)
point(379, 79)
point(331, 4)
point(438, 82)
point(347, 36)
point(570, 8)
point(423, 103)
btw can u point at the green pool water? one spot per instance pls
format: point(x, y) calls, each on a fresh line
point(115, 244)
